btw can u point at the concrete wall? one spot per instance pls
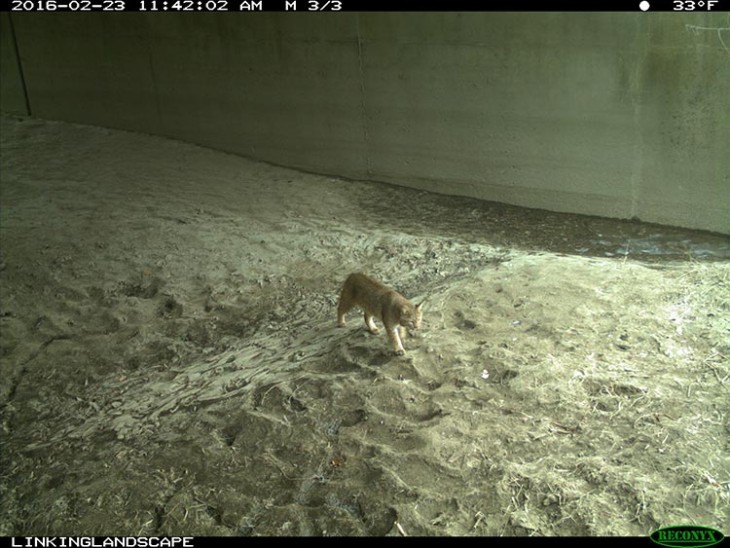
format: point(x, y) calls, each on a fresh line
point(12, 92)
point(615, 114)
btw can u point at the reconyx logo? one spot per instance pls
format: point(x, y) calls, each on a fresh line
point(685, 536)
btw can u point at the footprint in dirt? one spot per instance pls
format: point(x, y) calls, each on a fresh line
point(346, 357)
point(463, 323)
point(143, 288)
point(170, 308)
point(370, 356)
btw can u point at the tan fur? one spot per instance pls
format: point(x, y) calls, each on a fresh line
point(379, 301)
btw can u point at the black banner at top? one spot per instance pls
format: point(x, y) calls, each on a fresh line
point(334, 6)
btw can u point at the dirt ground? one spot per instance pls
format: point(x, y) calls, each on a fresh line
point(170, 361)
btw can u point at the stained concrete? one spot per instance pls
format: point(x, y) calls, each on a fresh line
point(12, 94)
point(615, 114)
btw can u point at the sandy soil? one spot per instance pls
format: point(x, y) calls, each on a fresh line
point(171, 365)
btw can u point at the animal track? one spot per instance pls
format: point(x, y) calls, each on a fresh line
point(463, 323)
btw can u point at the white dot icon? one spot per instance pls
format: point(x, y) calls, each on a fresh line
point(644, 5)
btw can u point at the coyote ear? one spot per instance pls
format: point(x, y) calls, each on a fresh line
point(419, 305)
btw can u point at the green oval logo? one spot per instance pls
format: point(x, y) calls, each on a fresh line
point(686, 536)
